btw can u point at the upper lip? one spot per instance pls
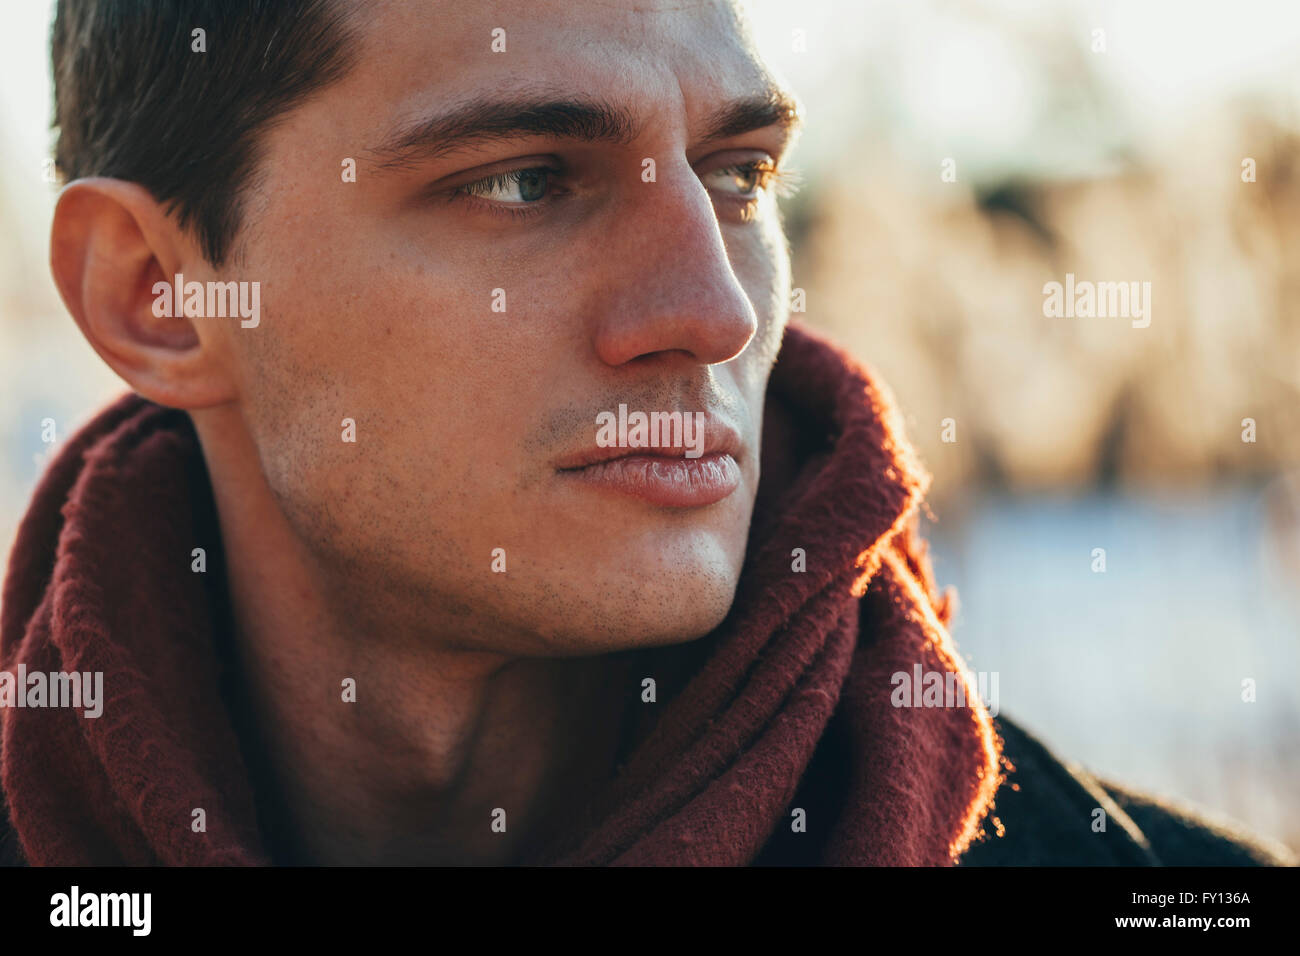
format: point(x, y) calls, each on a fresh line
point(719, 437)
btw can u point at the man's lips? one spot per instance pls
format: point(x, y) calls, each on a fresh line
point(662, 476)
point(670, 482)
point(718, 438)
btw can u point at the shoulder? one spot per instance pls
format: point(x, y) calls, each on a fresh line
point(1187, 836)
point(1053, 813)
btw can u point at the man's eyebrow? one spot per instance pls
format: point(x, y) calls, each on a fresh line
point(772, 107)
point(582, 119)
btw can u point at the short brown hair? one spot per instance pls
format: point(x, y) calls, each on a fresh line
point(135, 100)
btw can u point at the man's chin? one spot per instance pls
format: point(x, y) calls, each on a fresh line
point(683, 618)
point(636, 613)
point(667, 583)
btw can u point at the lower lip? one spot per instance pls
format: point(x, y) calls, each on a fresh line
point(668, 482)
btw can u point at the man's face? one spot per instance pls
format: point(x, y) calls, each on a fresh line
point(474, 328)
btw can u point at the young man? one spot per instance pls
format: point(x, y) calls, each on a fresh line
point(432, 530)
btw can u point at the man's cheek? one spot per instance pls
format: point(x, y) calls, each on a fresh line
point(762, 265)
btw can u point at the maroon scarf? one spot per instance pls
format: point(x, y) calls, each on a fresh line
point(100, 580)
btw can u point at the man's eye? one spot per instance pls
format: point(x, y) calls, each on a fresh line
point(746, 179)
point(518, 186)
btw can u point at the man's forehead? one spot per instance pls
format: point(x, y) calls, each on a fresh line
point(551, 19)
point(639, 57)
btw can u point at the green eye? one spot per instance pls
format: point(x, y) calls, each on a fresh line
point(531, 183)
point(746, 180)
point(741, 180)
point(516, 186)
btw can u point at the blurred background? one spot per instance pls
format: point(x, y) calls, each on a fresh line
point(1105, 139)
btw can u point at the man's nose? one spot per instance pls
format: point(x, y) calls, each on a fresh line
point(674, 288)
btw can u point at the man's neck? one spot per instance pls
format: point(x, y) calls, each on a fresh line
point(381, 744)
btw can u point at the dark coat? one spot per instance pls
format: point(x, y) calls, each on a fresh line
point(1048, 821)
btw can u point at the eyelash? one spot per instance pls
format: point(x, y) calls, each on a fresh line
point(784, 183)
point(510, 177)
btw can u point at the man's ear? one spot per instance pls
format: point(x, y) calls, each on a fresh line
point(109, 243)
